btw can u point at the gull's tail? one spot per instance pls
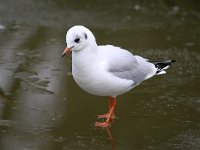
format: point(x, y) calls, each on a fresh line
point(161, 66)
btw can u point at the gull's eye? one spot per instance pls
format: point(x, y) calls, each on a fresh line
point(77, 40)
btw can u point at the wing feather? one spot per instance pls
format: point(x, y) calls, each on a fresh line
point(125, 65)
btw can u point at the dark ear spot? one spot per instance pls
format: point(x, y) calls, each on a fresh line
point(85, 35)
point(77, 40)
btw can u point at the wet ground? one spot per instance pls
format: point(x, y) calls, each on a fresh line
point(41, 107)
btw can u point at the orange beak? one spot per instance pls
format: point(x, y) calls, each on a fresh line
point(66, 50)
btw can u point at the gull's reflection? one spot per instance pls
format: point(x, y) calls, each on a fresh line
point(111, 138)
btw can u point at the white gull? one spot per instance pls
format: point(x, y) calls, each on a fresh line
point(107, 70)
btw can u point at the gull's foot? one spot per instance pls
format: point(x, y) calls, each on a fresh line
point(102, 124)
point(105, 116)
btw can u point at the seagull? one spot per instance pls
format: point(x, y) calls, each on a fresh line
point(107, 70)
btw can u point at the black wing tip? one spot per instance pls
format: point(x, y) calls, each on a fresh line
point(167, 61)
point(173, 60)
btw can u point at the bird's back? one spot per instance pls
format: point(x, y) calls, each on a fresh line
point(125, 65)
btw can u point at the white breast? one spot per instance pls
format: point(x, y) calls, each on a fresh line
point(91, 75)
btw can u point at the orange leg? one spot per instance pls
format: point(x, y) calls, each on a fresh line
point(111, 103)
point(109, 115)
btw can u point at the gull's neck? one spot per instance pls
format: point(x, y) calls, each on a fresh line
point(85, 58)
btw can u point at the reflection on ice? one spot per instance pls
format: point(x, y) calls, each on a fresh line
point(42, 108)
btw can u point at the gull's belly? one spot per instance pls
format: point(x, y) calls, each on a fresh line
point(101, 83)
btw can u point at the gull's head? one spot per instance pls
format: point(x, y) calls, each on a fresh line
point(78, 38)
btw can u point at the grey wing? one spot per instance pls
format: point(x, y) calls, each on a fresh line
point(130, 67)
